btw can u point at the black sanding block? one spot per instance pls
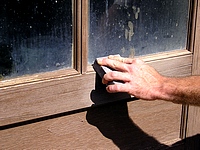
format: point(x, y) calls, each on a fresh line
point(101, 70)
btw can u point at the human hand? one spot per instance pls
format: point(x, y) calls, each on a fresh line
point(140, 79)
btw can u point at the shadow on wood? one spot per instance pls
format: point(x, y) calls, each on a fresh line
point(113, 120)
point(114, 123)
point(193, 143)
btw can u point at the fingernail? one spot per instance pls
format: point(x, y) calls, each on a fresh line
point(110, 56)
point(99, 61)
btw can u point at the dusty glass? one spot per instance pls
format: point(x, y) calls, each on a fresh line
point(35, 36)
point(136, 27)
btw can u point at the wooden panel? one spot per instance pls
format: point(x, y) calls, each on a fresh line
point(85, 34)
point(167, 59)
point(34, 100)
point(116, 126)
point(194, 112)
point(178, 72)
point(171, 63)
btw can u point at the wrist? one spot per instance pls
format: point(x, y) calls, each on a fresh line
point(168, 89)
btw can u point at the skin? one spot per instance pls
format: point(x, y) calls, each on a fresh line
point(144, 82)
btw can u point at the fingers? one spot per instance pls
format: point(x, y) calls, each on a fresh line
point(116, 76)
point(114, 64)
point(118, 63)
point(118, 88)
point(125, 60)
point(121, 59)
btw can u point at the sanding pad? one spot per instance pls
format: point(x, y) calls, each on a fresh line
point(101, 70)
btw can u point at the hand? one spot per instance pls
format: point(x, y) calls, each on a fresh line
point(140, 79)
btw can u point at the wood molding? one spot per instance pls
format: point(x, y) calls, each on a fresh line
point(77, 38)
point(32, 100)
point(85, 35)
point(194, 112)
point(38, 77)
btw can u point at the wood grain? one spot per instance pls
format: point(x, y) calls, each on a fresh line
point(121, 125)
point(194, 112)
point(26, 79)
point(85, 35)
point(64, 109)
point(39, 99)
point(77, 36)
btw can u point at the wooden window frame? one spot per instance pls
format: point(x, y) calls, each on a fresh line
point(192, 118)
point(46, 94)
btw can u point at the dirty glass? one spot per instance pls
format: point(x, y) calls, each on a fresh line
point(136, 27)
point(35, 36)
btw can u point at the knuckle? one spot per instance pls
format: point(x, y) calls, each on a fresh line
point(113, 88)
point(112, 74)
point(139, 61)
point(117, 88)
point(115, 64)
point(129, 67)
point(110, 88)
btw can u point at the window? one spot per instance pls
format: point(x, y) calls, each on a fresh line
point(136, 27)
point(35, 36)
point(47, 48)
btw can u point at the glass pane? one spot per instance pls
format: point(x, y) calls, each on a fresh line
point(35, 36)
point(136, 27)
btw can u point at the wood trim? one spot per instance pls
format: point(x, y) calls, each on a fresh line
point(192, 24)
point(194, 112)
point(196, 55)
point(26, 79)
point(85, 34)
point(169, 63)
point(77, 35)
point(32, 100)
point(156, 60)
point(193, 8)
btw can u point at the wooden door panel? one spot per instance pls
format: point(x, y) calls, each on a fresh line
point(120, 125)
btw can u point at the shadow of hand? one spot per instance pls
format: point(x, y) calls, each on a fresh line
point(114, 123)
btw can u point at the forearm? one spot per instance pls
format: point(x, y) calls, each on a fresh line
point(181, 90)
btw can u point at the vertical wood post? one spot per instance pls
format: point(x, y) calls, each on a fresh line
point(193, 126)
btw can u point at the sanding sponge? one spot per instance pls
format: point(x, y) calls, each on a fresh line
point(101, 70)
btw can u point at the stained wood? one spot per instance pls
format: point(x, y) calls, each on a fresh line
point(52, 111)
point(193, 8)
point(120, 125)
point(49, 97)
point(39, 77)
point(194, 112)
point(77, 38)
point(168, 60)
point(85, 34)
point(39, 99)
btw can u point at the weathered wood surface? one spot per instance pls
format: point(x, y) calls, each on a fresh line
point(57, 95)
point(134, 125)
point(193, 126)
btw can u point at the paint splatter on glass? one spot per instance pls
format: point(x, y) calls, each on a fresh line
point(136, 27)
